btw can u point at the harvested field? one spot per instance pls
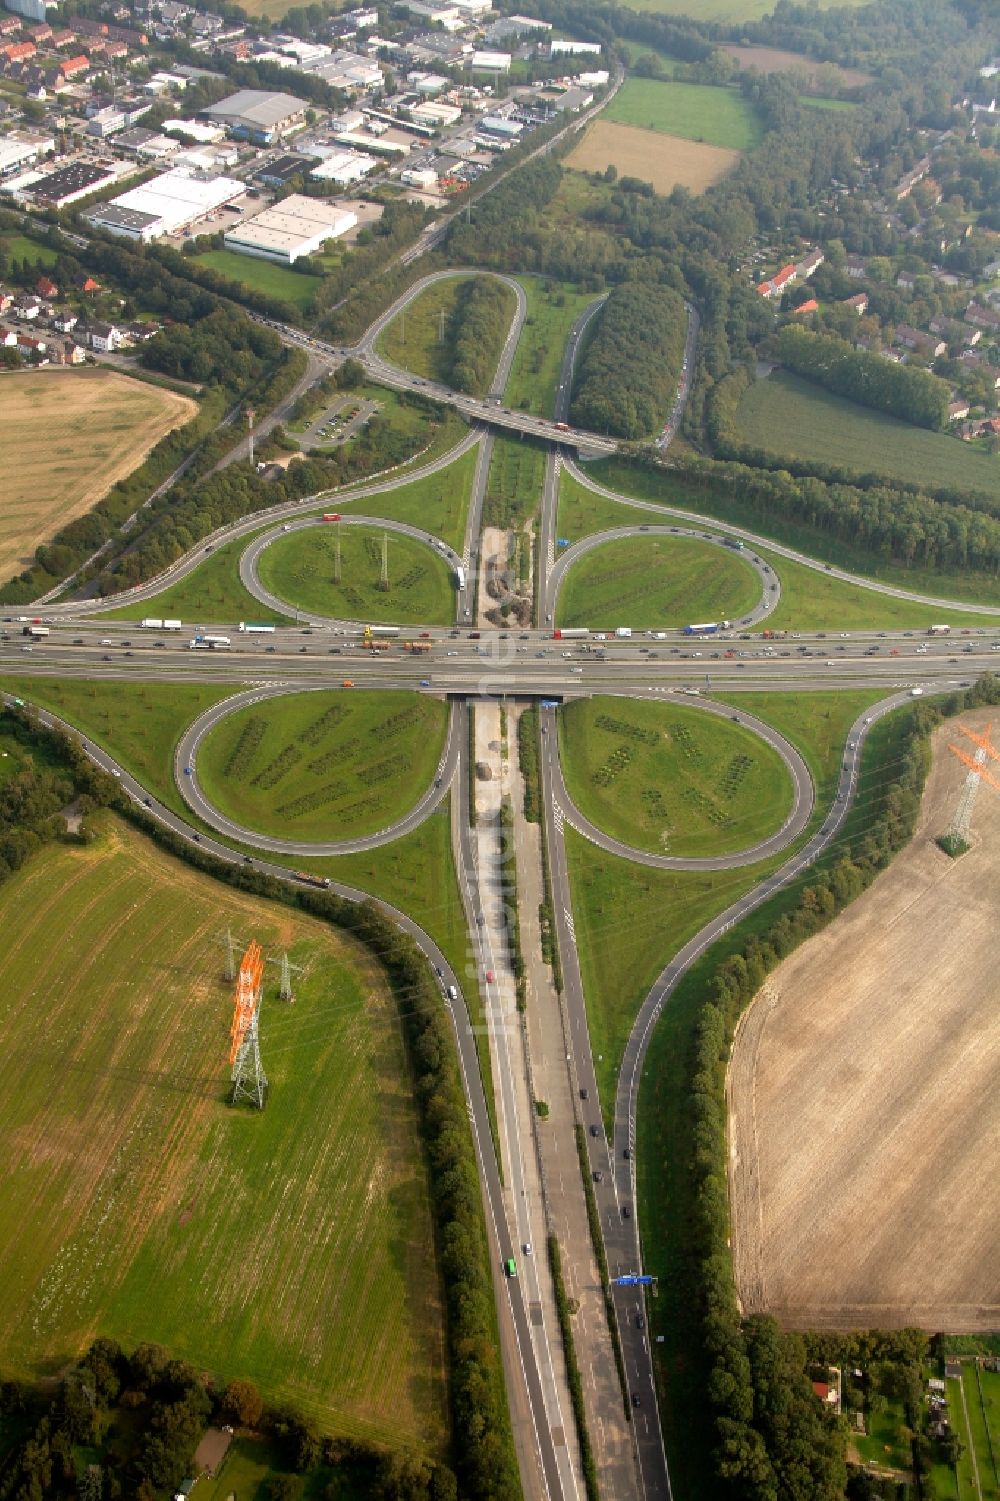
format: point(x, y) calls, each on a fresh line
point(663, 160)
point(776, 60)
point(864, 1117)
point(67, 436)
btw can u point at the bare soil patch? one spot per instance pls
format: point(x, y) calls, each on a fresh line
point(664, 160)
point(66, 438)
point(864, 1118)
point(776, 60)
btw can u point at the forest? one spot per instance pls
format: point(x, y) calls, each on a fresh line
point(475, 335)
point(627, 379)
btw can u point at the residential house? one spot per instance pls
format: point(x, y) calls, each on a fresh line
point(29, 345)
point(67, 352)
point(856, 267)
point(907, 280)
point(102, 337)
point(982, 317)
point(41, 33)
point(927, 346)
point(8, 338)
point(6, 300)
point(778, 282)
point(859, 302)
point(810, 306)
point(957, 410)
point(46, 288)
point(18, 52)
point(27, 306)
point(908, 182)
point(981, 366)
point(74, 66)
point(64, 320)
point(62, 38)
point(9, 26)
point(87, 284)
point(810, 263)
point(141, 333)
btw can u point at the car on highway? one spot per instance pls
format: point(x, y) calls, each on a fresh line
point(636, 1400)
point(490, 977)
point(595, 1130)
point(526, 1248)
point(640, 1322)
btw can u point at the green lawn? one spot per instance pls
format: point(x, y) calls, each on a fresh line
point(291, 1247)
point(553, 308)
point(300, 567)
point(137, 723)
point(212, 593)
point(790, 416)
point(811, 600)
point(697, 111)
point(670, 779)
point(656, 583)
point(296, 287)
point(982, 1396)
point(815, 723)
point(515, 481)
point(417, 338)
point(19, 247)
point(717, 500)
point(323, 765)
point(965, 1476)
point(438, 502)
point(884, 1444)
point(629, 920)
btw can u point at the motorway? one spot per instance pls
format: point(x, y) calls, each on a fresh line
point(467, 665)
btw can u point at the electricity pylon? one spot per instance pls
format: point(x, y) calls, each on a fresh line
point(231, 944)
point(383, 582)
point(249, 1079)
point(958, 833)
point(287, 969)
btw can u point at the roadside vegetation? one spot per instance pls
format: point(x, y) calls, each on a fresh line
point(553, 308)
point(626, 377)
point(453, 332)
point(438, 502)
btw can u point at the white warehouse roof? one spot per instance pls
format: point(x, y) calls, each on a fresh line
point(296, 227)
point(344, 166)
point(175, 198)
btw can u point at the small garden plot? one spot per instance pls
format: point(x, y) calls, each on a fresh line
point(323, 765)
point(670, 780)
point(415, 588)
point(656, 583)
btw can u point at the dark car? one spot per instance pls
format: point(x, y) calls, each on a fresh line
point(584, 1094)
point(626, 1212)
point(598, 1176)
point(595, 1130)
point(640, 1322)
point(635, 1400)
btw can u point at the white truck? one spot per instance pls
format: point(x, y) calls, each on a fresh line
point(623, 632)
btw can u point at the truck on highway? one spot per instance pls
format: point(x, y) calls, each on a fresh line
point(561, 427)
point(332, 516)
point(256, 628)
point(151, 624)
point(311, 880)
point(623, 632)
point(35, 631)
point(210, 643)
point(459, 577)
point(939, 630)
point(570, 633)
point(707, 628)
point(172, 625)
point(734, 543)
point(381, 630)
point(417, 647)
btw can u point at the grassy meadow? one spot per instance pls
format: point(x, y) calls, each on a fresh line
point(300, 567)
point(656, 583)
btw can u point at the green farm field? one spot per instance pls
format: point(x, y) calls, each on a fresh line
point(300, 568)
point(655, 583)
point(583, 512)
point(323, 765)
point(553, 308)
point(296, 287)
point(787, 415)
point(289, 1247)
point(695, 111)
point(671, 780)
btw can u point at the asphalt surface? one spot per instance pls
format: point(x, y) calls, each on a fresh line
point(186, 777)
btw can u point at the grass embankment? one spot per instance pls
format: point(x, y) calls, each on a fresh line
point(821, 602)
point(664, 1147)
point(158, 1212)
point(301, 568)
point(417, 338)
point(296, 287)
point(656, 583)
point(695, 111)
point(670, 779)
point(794, 418)
point(438, 502)
point(553, 308)
point(323, 765)
point(211, 592)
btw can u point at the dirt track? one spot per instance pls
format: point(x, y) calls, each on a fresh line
point(864, 1112)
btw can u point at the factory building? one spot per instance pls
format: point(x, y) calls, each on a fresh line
point(290, 230)
point(258, 115)
point(165, 205)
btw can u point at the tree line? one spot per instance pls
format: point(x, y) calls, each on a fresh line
point(627, 378)
point(902, 391)
point(475, 334)
point(482, 1442)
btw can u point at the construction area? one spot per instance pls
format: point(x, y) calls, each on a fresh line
point(864, 1118)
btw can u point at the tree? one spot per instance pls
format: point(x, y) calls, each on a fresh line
point(243, 1404)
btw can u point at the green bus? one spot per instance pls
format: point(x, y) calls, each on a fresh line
point(509, 1267)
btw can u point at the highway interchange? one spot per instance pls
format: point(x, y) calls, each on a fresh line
point(465, 667)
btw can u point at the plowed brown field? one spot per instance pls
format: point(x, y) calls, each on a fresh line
point(664, 160)
point(864, 1112)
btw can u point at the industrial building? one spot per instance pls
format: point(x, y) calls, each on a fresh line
point(18, 148)
point(69, 184)
point(290, 230)
point(257, 114)
point(344, 167)
point(165, 205)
